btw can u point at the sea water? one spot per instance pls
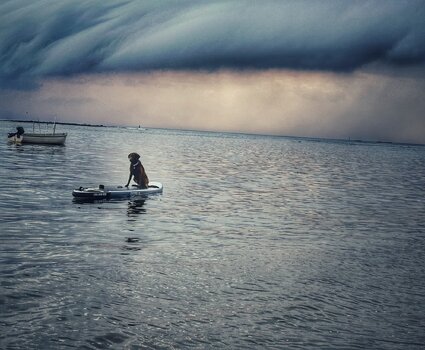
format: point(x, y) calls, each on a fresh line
point(257, 242)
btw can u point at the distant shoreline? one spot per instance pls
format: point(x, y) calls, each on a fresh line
point(304, 138)
point(50, 122)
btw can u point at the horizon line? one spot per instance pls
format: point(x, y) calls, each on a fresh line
point(309, 138)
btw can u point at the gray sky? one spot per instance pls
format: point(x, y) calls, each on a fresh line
point(310, 68)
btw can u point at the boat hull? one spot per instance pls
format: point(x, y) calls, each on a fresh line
point(47, 139)
point(116, 192)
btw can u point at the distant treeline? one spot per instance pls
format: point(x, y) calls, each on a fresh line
point(50, 122)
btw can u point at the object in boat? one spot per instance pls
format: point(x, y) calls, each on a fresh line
point(19, 132)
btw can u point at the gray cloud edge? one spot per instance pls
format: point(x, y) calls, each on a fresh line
point(43, 39)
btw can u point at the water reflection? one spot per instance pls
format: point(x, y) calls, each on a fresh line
point(88, 201)
point(33, 148)
point(135, 207)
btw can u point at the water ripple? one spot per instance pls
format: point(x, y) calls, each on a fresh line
point(257, 242)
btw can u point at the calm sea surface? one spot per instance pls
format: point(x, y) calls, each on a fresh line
point(256, 243)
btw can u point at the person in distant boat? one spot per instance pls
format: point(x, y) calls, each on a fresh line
point(137, 171)
point(19, 132)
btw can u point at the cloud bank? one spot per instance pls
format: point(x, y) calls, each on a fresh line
point(40, 39)
point(315, 104)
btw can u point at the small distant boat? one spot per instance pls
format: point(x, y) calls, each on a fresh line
point(40, 138)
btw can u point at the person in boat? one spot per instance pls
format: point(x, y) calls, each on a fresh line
point(137, 171)
point(19, 132)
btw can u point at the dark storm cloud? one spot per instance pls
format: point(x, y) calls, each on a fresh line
point(61, 38)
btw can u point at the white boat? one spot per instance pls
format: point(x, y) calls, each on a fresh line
point(21, 136)
point(48, 139)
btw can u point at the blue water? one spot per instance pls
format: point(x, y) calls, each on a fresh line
point(256, 243)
